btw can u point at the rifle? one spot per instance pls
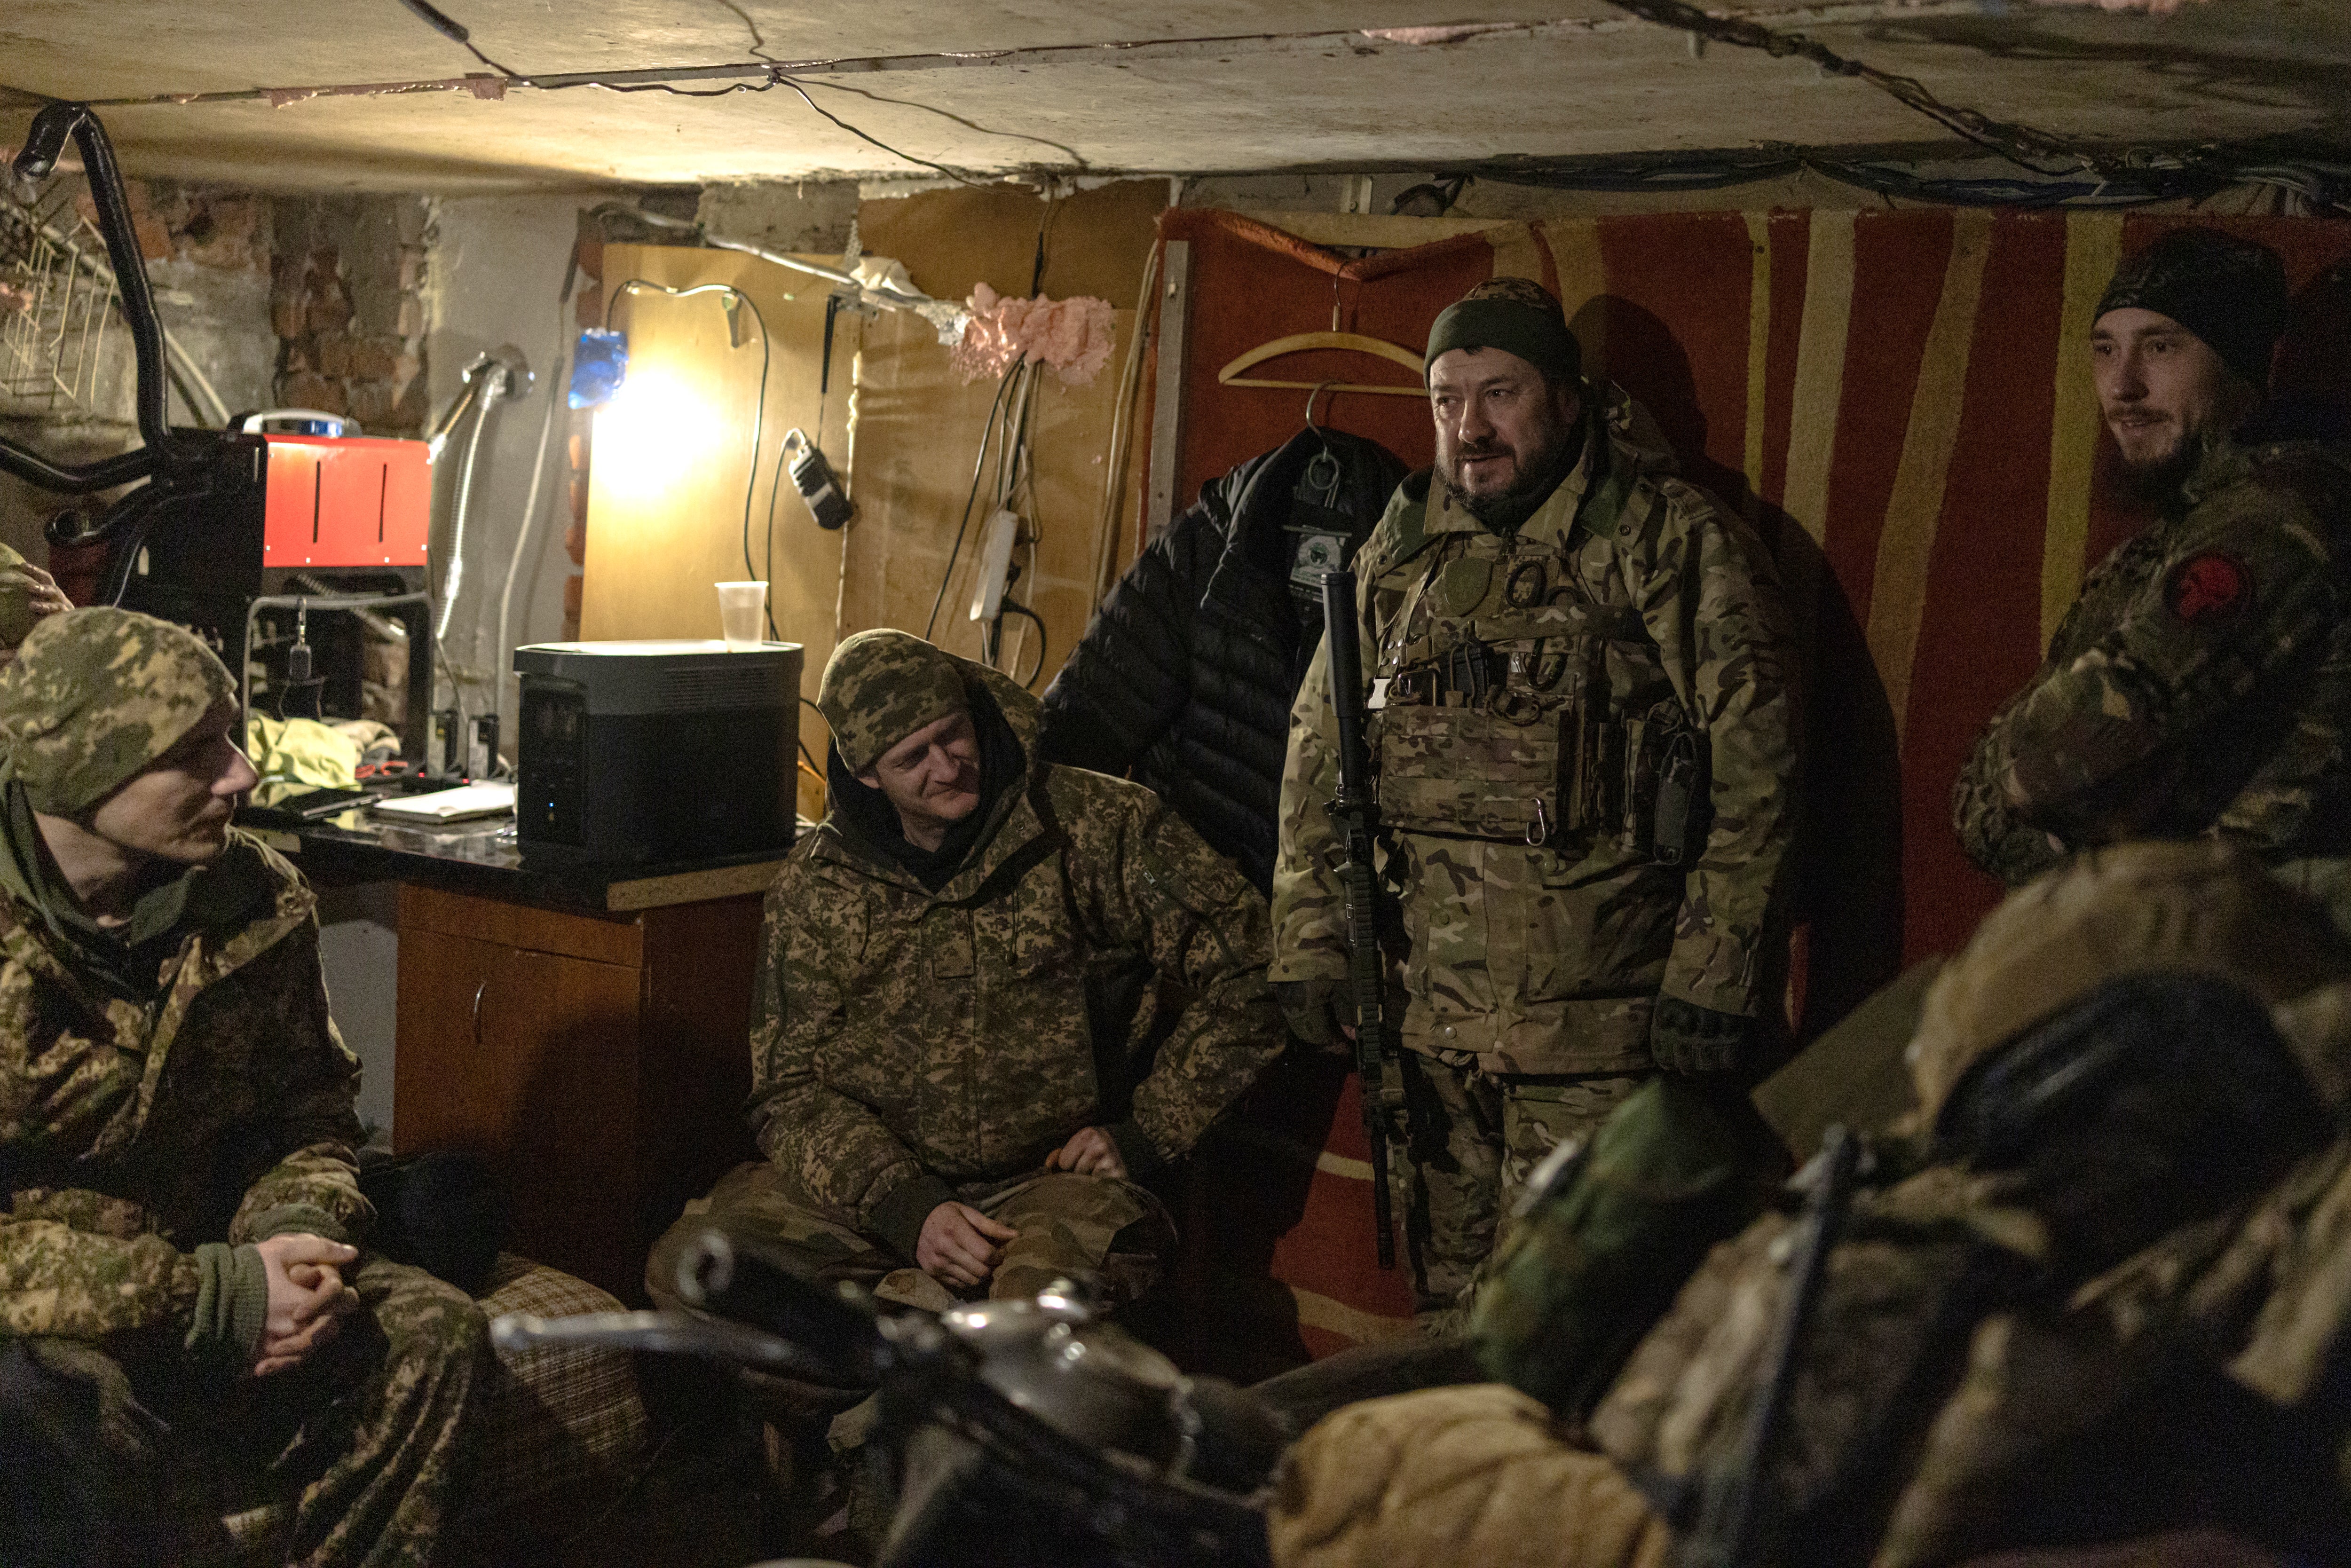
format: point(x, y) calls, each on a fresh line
point(1354, 812)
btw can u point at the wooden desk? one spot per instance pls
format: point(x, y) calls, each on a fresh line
point(599, 1062)
point(585, 1028)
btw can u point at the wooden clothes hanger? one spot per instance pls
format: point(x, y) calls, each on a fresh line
point(1352, 342)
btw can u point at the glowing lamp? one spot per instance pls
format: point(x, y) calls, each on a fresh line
point(656, 430)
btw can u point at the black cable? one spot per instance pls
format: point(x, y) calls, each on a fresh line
point(979, 466)
point(1019, 608)
point(1076, 158)
point(758, 401)
point(454, 31)
point(952, 174)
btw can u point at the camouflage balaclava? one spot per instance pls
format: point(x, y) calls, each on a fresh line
point(2201, 908)
point(880, 687)
point(1516, 315)
point(2230, 292)
point(16, 617)
point(95, 696)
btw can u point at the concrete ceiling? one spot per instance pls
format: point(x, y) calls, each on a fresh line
point(1213, 85)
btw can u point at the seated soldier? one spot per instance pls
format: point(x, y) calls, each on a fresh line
point(2095, 1290)
point(948, 1061)
point(183, 1272)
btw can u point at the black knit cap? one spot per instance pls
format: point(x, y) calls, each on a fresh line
point(1516, 315)
point(2230, 292)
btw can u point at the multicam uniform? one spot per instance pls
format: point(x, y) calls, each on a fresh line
point(141, 1138)
point(1545, 697)
point(909, 1047)
point(2116, 1305)
point(2201, 683)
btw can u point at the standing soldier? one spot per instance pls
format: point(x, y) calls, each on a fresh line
point(1584, 737)
point(2201, 683)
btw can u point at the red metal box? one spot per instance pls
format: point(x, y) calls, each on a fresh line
point(350, 502)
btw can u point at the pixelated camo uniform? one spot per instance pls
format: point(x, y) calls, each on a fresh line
point(1655, 615)
point(911, 1047)
point(2201, 681)
point(132, 1132)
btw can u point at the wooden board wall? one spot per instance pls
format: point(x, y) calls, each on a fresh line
point(665, 524)
point(899, 425)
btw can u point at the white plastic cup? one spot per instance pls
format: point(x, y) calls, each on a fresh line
point(741, 607)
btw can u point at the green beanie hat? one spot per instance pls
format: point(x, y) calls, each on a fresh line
point(95, 696)
point(1516, 315)
point(881, 686)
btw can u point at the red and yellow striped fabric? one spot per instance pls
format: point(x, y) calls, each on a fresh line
point(1900, 398)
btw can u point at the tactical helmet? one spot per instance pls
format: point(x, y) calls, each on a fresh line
point(2199, 908)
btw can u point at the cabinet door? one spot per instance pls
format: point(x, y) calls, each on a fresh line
point(531, 1060)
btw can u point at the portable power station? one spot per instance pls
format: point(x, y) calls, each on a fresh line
point(646, 752)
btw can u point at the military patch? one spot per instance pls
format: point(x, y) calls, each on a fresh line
point(2207, 590)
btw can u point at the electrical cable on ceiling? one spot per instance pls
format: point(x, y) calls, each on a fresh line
point(959, 178)
point(1077, 159)
point(759, 399)
point(2320, 184)
point(454, 31)
point(2018, 143)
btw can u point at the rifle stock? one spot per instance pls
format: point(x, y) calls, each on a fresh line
point(1354, 812)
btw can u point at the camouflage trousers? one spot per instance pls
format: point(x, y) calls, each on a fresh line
point(1112, 1231)
point(370, 1439)
point(1475, 1138)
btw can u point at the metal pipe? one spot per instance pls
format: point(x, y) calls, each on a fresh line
point(34, 162)
point(522, 540)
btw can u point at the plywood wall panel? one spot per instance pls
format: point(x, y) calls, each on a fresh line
point(666, 488)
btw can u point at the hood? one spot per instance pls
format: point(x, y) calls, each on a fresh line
point(855, 826)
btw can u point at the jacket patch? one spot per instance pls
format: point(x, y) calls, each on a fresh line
point(2207, 590)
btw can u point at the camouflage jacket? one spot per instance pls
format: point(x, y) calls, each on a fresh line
point(908, 1047)
point(1948, 1404)
point(129, 1133)
point(1539, 920)
point(2201, 683)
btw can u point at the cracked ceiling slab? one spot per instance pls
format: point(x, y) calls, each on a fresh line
point(1193, 86)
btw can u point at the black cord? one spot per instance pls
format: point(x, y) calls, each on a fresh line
point(758, 402)
point(979, 466)
point(1019, 608)
point(454, 31)
point(1076, 158)
point(792, 83)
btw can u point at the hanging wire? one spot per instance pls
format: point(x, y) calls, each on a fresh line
point(760, 398)
point(958, 176)
point(454, 31)
point(979, 468)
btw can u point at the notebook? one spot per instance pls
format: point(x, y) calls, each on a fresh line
point(450, 805)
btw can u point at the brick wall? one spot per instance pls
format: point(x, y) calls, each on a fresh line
point(347, 303)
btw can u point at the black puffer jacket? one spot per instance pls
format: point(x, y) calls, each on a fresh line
point(1186, 675)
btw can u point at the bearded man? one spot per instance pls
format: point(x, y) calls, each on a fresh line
point(2200, 684)
point(1585, 742)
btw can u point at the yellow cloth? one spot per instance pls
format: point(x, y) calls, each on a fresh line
point(293, 755)
point(1479, 1475)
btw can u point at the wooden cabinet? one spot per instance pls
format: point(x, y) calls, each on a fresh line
point(599, 1062)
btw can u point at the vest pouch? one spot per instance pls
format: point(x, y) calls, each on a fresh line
point(1665, 787)
point(1472, 774)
